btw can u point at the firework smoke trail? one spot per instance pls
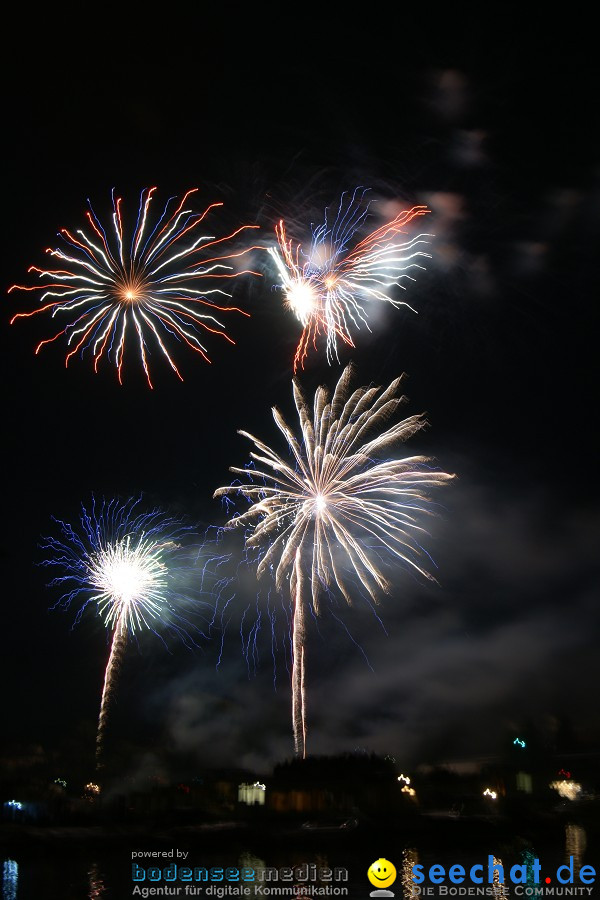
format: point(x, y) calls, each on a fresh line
point(117, 649)
point(298, 643)
point(126, 564)
point(327, 516)
point(329, 288)
point(163, 283)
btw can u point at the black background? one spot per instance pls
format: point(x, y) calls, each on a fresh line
point(490, 122)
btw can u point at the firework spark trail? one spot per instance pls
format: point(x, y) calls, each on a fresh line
point(157, 286)
point(326, 517)
point(329, 288)
point(126, 564)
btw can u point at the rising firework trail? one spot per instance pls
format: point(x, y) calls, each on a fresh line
point(162, 282)
point(327, 515)
point(126, 565)
point(330, 288)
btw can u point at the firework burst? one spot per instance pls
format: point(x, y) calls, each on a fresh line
point(330, 287)
point(161, 284)
point(326, 517)
point(126, 565)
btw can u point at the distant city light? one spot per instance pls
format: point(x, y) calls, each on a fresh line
point(252, 794)
point(405, 789)
point(568, 790)
point(524, 782)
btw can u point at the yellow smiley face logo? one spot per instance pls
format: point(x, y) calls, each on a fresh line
point(382, 873)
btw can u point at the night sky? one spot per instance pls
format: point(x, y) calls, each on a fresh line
point(492, 127)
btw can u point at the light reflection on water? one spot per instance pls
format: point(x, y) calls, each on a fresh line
point(575, 845)
point(96, 883)
point(410, 858)
point(499, 886)
point(105, 874)
point(10, 879)
point(528, 858)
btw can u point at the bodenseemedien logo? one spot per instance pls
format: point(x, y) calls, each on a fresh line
point(308, 880)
